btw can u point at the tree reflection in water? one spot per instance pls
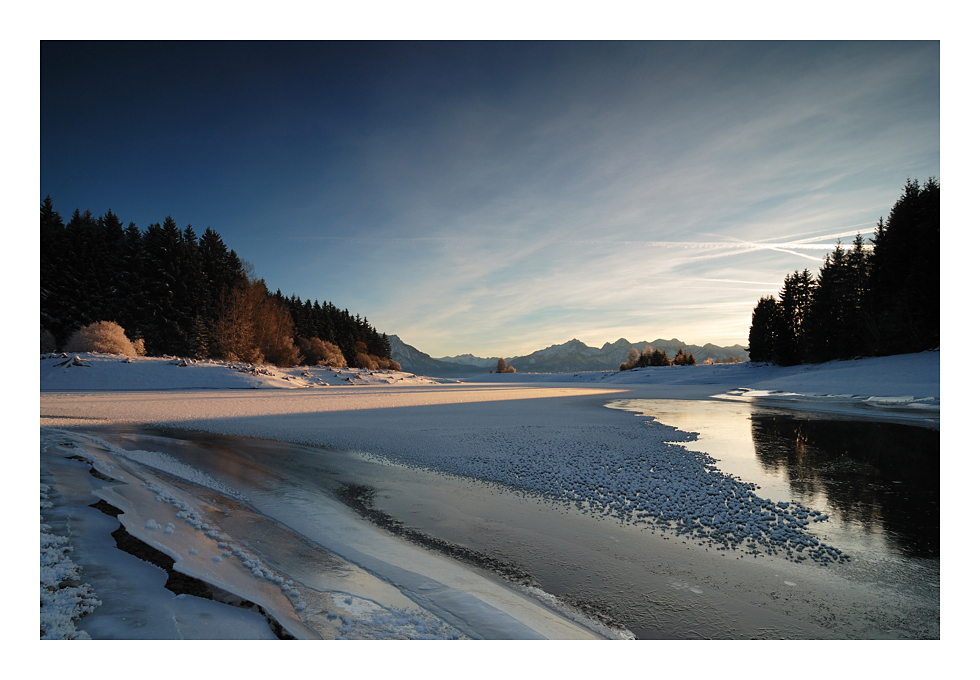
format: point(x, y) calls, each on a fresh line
point(880, 476)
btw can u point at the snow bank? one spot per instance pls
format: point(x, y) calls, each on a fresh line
point(911, 376)
point(893, 376)
point(906, 378)
point(905, 385)
point(96, 372)
point(63, 599)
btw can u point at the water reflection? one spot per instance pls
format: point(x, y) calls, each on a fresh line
point(656, 586)
point(878, 481)
point(881, 475)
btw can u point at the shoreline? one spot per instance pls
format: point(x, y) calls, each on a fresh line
point(371, 603)
point(431, 426)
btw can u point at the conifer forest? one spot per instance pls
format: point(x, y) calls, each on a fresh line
point(186, 295)
point(879, 297)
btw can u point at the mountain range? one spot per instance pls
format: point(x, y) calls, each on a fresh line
point(570, 357)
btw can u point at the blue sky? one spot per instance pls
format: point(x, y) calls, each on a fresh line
point(496, 198)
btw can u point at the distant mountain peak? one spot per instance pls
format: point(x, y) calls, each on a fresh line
point(568, 357)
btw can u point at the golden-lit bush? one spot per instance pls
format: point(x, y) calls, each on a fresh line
point(104, 337)
point(317, 352)
point(363, 359)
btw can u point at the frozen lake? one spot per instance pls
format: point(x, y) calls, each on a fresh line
point(877, 483)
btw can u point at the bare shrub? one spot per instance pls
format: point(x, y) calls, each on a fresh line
point(504, 367)
point(389, 364)
point(334, 357)
point(274, 333)
point(362, 360)
point(105, 337)
point(317, 352)
point(235, 329)
point(255, 327)
point(632, 359)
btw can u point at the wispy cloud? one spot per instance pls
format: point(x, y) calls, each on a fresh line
point(493, 198)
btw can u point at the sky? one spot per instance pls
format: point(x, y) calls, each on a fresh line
point(496, 198)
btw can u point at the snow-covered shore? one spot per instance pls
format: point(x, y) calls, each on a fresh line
point(893, 387)
point(99, 372)
point(903, 387)
point(913, 375)
point(186, 523)
point(399, 414)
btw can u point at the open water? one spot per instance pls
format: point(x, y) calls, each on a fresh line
point(877, 482)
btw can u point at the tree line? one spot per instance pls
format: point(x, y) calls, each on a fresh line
point(656, 357)
point(177, 294)
point(876, 298)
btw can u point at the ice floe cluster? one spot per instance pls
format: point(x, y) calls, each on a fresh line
point(63, 598)
point(224, 546)
point(640, 478)
point(925, 405)
point(359, 618)
point(172, 466)
point(193, 518)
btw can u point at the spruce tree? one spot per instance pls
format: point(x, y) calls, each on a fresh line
point(830, 324)
point(765, 330)
point(54, 292)
point(866, 336)
point(795, 299)
point(905, 273)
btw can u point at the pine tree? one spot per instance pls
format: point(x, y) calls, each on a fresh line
point(830, 325)
point(132, 265)
point(179, 294)
point(795, 299)
point(164, 332)
point(190, 289)
point(54, 292)
point(882, 299)
point(764, 334)
point(905, 272)
point(111, 274)
point(864, 332)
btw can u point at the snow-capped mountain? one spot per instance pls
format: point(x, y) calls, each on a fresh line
point(575, 355)
point(470, 360)
point(570, 357)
